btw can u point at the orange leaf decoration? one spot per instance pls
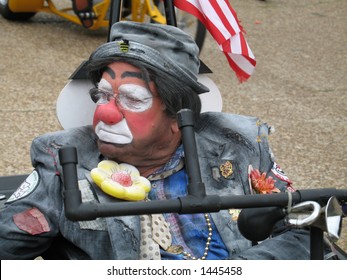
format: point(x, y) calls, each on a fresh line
point(261, 184)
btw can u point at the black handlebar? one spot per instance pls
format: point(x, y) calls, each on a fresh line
point(195, 202)
point(256, 220)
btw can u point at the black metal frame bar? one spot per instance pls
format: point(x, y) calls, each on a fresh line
point(195, 202)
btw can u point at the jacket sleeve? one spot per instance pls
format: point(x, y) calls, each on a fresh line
point(31, 215)
point(289, 245)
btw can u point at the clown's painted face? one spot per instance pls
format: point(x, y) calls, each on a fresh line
point(129, 117)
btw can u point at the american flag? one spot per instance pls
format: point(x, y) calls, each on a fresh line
point(221, 21)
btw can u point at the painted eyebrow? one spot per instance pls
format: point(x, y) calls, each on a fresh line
point(130, 74)
point(125, 74)
point(109, 71)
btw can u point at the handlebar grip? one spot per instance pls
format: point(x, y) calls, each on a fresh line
point(256, 224)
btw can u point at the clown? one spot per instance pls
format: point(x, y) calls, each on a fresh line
point(141, 79)
point(130, 120)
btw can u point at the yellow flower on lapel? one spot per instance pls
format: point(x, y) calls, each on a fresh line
point(122, 180)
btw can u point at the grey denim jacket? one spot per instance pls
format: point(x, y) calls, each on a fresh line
point(220, 138)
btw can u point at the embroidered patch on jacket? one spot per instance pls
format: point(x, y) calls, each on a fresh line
point(27, 187)
point(31, 221)
point(278, 172)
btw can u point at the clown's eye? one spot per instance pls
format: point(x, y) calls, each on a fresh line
point(100, 96)
point(134, 98)
point(131, 103)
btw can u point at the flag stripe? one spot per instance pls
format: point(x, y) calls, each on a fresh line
point(243, 44)
point(195, 8)
point(226, 17)
point(213, 13)
point(221, 21)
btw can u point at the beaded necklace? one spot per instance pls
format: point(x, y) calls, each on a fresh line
point(178, 249)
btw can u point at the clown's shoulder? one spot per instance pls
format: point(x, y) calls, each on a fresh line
point(82, 138)
point(240, 128)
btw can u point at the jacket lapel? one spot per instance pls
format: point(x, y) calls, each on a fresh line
point(212, 155)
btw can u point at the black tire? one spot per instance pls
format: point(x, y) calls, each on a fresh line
point(9, 15)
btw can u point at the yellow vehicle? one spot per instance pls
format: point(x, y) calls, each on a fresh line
point(104, 12)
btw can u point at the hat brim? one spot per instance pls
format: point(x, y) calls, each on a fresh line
point(75, 108)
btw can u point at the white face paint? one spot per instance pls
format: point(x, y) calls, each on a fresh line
point(105, 85)
point(130, 97)
point(116, 134)
point(134, 98)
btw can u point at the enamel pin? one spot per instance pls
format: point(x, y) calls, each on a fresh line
point(226, 169)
